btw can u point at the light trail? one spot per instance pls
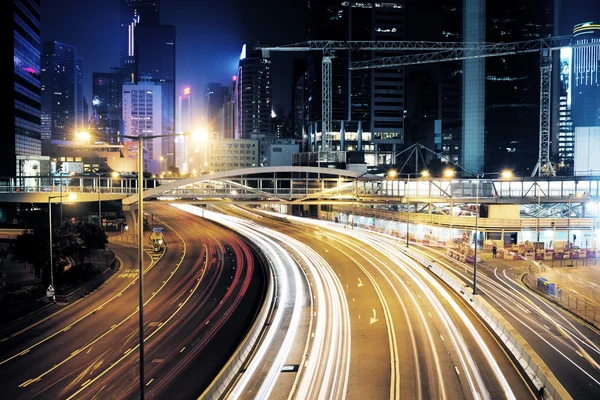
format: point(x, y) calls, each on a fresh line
point(416, 270)
point(324, 374)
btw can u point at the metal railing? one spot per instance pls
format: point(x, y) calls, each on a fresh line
point(574, 302)
point(296, 185)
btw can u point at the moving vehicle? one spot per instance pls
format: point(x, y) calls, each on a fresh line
point(157, 239)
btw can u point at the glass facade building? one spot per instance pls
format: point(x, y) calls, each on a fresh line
point(585, 70)
point(107, 94)
point(367, 105)
point(21, 138)
point(59, 91)
point(155, 60)
point(252, 94)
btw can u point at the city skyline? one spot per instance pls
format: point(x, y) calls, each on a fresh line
point(209, 38)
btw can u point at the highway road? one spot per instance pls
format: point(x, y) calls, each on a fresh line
point(295, 356)
point(410, 336)
point(200, 296)
point(569, 346)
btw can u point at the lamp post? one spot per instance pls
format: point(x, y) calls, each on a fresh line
point(569, 223)
point(476, 234)
point(407, 213)
point(140, 225)
point(71, 196)
point(539, 210)
point(99, 202)
point(449, 173)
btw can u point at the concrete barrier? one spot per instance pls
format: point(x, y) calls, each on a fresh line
point(230, 371)
point(538, 372)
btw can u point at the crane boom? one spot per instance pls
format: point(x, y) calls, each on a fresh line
point(476, 50)
point(438, 52)
point(396, 45)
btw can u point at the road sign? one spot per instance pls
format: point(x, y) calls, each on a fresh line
point(50, 291)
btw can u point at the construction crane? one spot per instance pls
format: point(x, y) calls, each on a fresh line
point(544, 46)
point(328, 48)
point(439, 52)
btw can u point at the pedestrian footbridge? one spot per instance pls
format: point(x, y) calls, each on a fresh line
point(301, 185)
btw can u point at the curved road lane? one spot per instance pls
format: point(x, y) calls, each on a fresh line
point(193, 301)
point(411, 337)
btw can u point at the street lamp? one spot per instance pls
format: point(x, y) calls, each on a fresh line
point(476, 234)
point(569, 223)
point(71, 197)
point(99, 202)
point(569, 220)
point(504, 174)
point(140, 225)
point(407, 212)
point(449, 174)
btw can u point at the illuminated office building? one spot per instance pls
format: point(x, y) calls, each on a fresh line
point(184, 123)
point(107, 94)
point(585, 69)
point(367, 106)
point(20, 152)
point(59, 91)
point(142, 116)
point(579, 101)
point(253, 94)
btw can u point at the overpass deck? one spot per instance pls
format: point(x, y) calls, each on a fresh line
point(303, 185)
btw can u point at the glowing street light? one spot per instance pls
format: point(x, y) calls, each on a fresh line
point(140, 225)
point(83, 137)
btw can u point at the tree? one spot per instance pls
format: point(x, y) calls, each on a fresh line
point(90, 236)
point(32, 246)
point(4, 252)
point(70, 240)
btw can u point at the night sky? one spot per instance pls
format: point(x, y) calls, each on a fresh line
point(210, 35)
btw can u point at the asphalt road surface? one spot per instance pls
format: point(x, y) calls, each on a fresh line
point(410, 336)
point(200, 296)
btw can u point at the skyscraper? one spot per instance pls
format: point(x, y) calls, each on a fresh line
point(107, 95)
point(142, 117)
point(21, 142)
point(155, 60)
point(80, 123)
point(432, 91)
point(473, 89)
point(252, 94)
point(214, 99)
point(512, 115)
point(59, 91)
point(367, 106)
point(134, 12)
point(586, 71)
point(184, 123)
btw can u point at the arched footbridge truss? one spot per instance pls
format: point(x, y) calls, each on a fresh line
point(304, 185)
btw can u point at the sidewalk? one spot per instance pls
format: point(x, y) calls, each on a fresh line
point(577, 287)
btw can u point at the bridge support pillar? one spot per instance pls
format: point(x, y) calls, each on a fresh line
point(130, 211)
